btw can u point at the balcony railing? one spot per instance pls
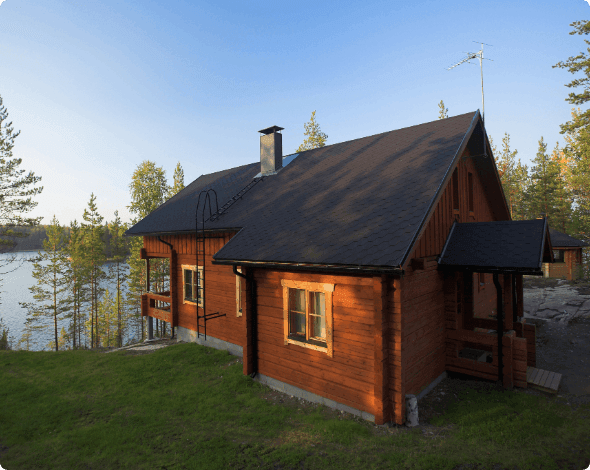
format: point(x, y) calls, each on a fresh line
point(157, 305)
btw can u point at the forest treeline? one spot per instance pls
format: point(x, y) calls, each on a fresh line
point(33, 241)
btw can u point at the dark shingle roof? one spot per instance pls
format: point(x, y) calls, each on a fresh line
point(359, 202)
point(504, 245)
point(559, 239)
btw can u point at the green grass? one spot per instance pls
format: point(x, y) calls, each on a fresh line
point(184, 407)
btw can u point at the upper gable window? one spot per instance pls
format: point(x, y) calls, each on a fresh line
point(470, 183)
point(307, 314)
point(456, 189)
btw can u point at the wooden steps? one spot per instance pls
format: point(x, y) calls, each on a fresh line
point(543, 379)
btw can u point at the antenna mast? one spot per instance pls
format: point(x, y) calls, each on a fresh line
point(476, 55)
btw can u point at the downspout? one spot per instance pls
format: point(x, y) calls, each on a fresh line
point(254, 320)
point(514, 301)
point(170, 245)
point(500, 315)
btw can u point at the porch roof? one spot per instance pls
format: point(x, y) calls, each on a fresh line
point(517, 246)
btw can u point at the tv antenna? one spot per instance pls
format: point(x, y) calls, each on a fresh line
point(476, 55)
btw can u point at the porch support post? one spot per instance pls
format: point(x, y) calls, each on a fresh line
point(519, 301)
point(147, 281)
point(380, 328)
point(500, 315)
point(150, 327)
point(468, 306)
point(508, 302)
point(515, 295)
point(173, 293)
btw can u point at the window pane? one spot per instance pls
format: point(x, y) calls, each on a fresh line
point(317, 307)
point(297, 300)
point(188, 291)
point(297, 324)
point(188, 284)
point(317, 303)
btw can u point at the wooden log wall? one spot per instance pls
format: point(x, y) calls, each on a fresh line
point(572, 258)
point(420, 335)
point(434, 302)
point(349, 376)
point(220, 285)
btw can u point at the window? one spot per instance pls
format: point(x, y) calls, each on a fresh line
point(470, 181)
point(192, 280)
point(558, 256)
point(307, 314)
point(481, 281)
point(456, 190)
point(238, 294)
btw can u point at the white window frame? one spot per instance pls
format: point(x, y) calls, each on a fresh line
point(327, 290)
point(193, 268)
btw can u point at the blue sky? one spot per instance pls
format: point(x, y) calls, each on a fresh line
point(98, 87)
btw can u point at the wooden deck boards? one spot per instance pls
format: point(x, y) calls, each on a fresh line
point(543, 379)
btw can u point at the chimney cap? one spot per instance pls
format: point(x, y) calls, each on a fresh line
point(271, 129)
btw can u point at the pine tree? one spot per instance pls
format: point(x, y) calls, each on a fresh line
point(94, 258)
point(4, 330)
point(116, 271)
point(315, 137)
point(15, 193)
point(26, 341)
point(178, 181)
point(51, 283)
point(563, 199)
point(543, 191)
point(78, 275)
point(442, 111)
point(574, 64)
point(62, 341)
point(514, 177)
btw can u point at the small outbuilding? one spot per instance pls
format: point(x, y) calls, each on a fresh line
point(567, 252)
point(357, 273)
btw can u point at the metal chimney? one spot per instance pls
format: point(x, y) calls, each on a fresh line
point(271, 150)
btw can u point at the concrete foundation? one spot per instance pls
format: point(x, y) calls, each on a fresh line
point(184, 334)
point(190, 336)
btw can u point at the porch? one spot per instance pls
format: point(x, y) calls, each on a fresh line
point(501, 346)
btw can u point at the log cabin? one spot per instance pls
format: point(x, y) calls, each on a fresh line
point(357, 273)
point(567, 253)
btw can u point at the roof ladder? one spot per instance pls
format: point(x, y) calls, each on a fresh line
point(229, 203)
point(200, 284)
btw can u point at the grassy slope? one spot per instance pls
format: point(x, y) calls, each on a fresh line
point(188, 406)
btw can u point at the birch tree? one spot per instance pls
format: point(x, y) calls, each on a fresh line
point(149, 189)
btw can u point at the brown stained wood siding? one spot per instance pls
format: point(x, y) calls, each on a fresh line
point(428, 301)
point(220, 290)
point(348, 377)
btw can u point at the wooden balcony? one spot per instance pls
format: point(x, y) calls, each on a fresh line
point(158, 305)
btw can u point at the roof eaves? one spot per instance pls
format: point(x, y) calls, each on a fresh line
point(313, 267)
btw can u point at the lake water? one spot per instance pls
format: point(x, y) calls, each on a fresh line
point(14, 288)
